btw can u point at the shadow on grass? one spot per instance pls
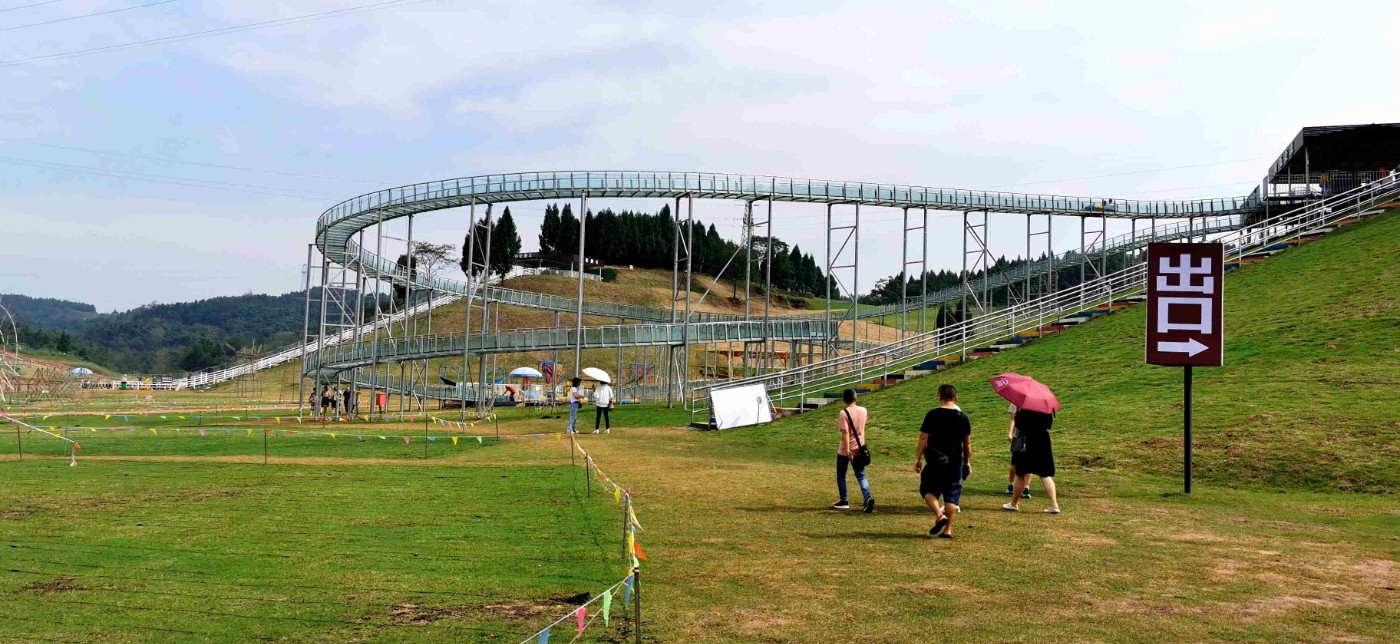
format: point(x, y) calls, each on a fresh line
point(855, 510)
point(874, 536)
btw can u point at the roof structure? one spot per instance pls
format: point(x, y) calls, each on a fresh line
point(1332, 148)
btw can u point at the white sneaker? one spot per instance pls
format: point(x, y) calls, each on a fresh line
point(1009, 507)
point(595, 431)
point(1052, 510)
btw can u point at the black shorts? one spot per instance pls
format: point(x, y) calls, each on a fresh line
point(943, 483)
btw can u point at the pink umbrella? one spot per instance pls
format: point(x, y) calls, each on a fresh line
point(1025, 392)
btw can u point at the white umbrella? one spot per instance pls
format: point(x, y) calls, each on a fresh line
point(597, 374)
point(81, 371)
point(526, 372)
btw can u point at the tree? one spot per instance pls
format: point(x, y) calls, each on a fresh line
point(549, 230)
point(432, 259)
point(566, 242)
point(474, 250)
point(406, 266)
point(505, 244)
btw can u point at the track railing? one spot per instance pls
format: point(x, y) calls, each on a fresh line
point(960, 338)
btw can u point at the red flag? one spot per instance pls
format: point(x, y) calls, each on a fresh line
point(637, 550)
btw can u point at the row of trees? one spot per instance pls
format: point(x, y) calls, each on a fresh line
point(647, 240)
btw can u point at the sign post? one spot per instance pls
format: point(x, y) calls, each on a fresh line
point(1185, 314)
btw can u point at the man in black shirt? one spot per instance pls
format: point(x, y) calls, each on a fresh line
point(946, 440)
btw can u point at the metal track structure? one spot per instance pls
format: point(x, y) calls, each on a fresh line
point(1258, 239)
point(338, 227)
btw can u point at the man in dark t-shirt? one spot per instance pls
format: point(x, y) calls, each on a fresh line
point(945, 439)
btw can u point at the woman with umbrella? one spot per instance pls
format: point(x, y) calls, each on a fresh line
point(602, 398)
point(1030, 435)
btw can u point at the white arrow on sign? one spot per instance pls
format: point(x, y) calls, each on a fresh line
point(1190, 347)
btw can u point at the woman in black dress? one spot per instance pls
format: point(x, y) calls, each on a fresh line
point(1037, 459)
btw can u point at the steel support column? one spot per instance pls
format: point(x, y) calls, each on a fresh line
point(472, 284)
point(578, 319)
point(485, 393)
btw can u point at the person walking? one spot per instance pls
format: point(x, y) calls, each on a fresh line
point(575, 399)
point(1031, 454)
point(349, 401)
point(851, 420)
point(1011, 469)
point(945, 439)
point(603, 399)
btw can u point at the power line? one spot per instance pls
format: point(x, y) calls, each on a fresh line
point(87, 15)
point(179, 181)
point(214, 32)
point(194, 163)
point(26, 6)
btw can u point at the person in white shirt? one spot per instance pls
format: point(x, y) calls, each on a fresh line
point(603, 398)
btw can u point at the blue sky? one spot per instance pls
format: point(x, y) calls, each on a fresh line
point(1033, 96)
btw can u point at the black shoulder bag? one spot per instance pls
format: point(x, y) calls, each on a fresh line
point(862, 457)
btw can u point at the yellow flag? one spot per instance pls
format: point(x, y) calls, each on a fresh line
point(52, 428)
point(107, 417)
point(617, 494)
point(250, 432)
point(153, 432)
point(277, 420)
point(558, 436)
point(454, 440)
point(182, 417)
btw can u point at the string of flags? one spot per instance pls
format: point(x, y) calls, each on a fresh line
point(622, 496)
point(580, 615)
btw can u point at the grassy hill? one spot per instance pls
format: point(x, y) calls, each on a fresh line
point(1306, 398)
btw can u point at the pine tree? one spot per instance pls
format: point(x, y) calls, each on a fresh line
point(505, 244)
point(549, 230)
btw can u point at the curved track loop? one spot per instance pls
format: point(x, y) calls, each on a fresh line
point(337, 227)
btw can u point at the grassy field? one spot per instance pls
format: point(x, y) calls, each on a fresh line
point(469, 547)
point(1292, 532)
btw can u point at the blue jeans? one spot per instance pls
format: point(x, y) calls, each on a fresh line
point(573, 417)
point(841, 463)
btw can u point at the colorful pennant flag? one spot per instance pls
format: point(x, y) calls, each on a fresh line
point(581, 613)
point(617, 495)
point(454, 440)
point(544, 635)
point(478, 440)
point(153, 432)
point(201, 432)
point(637, 549)
point(627, 592)
point(607, 606)
point(405, 440)
point(107, 417)
point(332, 436)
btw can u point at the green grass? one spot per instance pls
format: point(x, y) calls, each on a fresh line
point(177, 551)
point(1289, 535)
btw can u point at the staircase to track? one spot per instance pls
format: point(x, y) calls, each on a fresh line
point(813, 386)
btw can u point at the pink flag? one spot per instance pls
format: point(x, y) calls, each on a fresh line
point(581, 613)
point(405, 440)
point(201, 432)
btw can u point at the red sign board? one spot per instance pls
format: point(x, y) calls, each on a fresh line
point(1185, 305)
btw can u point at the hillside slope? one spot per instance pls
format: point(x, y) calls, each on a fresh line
point(1306, 399)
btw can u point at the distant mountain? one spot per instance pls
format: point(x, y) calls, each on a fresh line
point(161, 338)
point(47, 313)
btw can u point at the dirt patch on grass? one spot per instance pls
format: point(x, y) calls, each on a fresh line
point(16, 514)
point(415, 615)
point(55, 585)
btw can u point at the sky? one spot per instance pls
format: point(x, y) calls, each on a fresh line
point(165, 151)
